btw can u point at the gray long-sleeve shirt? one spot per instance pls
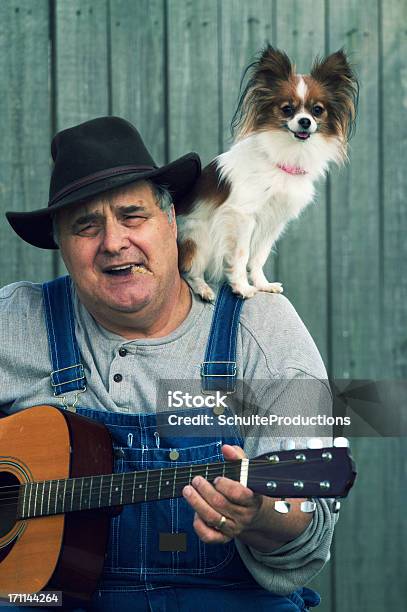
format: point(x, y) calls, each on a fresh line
point(276, 358)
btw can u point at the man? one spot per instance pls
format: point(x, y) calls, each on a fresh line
point(132, 322)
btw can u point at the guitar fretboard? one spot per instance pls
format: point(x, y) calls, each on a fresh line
point(49, 497)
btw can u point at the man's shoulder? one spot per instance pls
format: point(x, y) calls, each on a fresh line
point(271, 324)
point(21, 295)
point(270, 312)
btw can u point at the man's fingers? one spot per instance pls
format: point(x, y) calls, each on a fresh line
point(232, 452)
point(235, 492)
point(206, 501)
point(207, 534)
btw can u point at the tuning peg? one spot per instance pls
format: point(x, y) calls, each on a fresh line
point(287, 444)
point(308, 506)
point(314, 443)
point(282, 506)
point(341, 442)
point(336, 506)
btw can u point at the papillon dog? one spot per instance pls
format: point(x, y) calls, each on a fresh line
point(288, 127)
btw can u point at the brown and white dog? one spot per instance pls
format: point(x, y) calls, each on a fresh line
point(288, 128)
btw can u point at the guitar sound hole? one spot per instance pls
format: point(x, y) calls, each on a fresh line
point(8, 502)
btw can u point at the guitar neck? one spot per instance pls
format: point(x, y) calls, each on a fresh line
point(50, 497)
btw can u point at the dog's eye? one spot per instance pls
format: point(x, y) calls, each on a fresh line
point(287, 110)
point(317, 110)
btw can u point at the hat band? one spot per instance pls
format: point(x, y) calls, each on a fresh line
point(97, 176)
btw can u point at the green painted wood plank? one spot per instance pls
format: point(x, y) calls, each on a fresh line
point(394, 210)
point(355, 228)
point(246, 27)
point(368, 535)
point(24, 143)
point(193, 94)
point(302, 250)
point(139, 69)
point(82, 63)
point(394, 297)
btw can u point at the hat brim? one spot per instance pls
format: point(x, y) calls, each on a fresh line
point(35, 227)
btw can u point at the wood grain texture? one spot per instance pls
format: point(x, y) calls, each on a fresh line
point(138, 69)
point(193, 87)
point(364, 539)
point(302, 250)
point(82, 66)
point(355, 205)
point(394, 176)
point(25, 137)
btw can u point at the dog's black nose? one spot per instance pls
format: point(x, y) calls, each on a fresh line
point(304, 122)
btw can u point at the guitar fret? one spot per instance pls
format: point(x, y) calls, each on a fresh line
point(100, 491)
point(63, 496)
point(56, 497)
point(110, 493)
point(49, 495)
point(35, 498)
point(42, 496)
point(29, 501)
point(206, 471)
point(72, 492)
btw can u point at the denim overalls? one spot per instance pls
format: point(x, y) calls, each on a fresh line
point(137, 574)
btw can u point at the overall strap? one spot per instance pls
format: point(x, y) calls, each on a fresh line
point(218, 371)
point(68, 373)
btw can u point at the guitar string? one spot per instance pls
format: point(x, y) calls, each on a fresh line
point(300, 494)
point(212, 466)
point(253, 463)
point(152, 485)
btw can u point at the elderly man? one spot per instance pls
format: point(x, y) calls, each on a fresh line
point(99, 342)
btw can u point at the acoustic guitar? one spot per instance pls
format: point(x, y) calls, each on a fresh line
point(58, 494)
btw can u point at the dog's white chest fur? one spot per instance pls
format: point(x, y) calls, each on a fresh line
point(234, 239)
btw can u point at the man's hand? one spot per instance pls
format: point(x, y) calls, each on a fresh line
point(247, 516)
point(225, 498)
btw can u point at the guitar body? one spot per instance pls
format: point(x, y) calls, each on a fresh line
point(59, 552)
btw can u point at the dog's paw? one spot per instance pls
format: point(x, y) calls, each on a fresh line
point(206, 294)
point(244, 290)
point(270, 287)
point(200, 287)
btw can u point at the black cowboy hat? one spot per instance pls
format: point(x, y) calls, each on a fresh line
point(92, 158)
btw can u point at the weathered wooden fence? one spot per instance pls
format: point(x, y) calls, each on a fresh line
point(173, 67)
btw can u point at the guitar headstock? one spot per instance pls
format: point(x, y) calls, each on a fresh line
point(310, 472)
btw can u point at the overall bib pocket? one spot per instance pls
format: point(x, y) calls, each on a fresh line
point(135, 533)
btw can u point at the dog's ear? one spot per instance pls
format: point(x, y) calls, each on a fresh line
point(273, 65)
point(336, 75)
point(334, 70)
